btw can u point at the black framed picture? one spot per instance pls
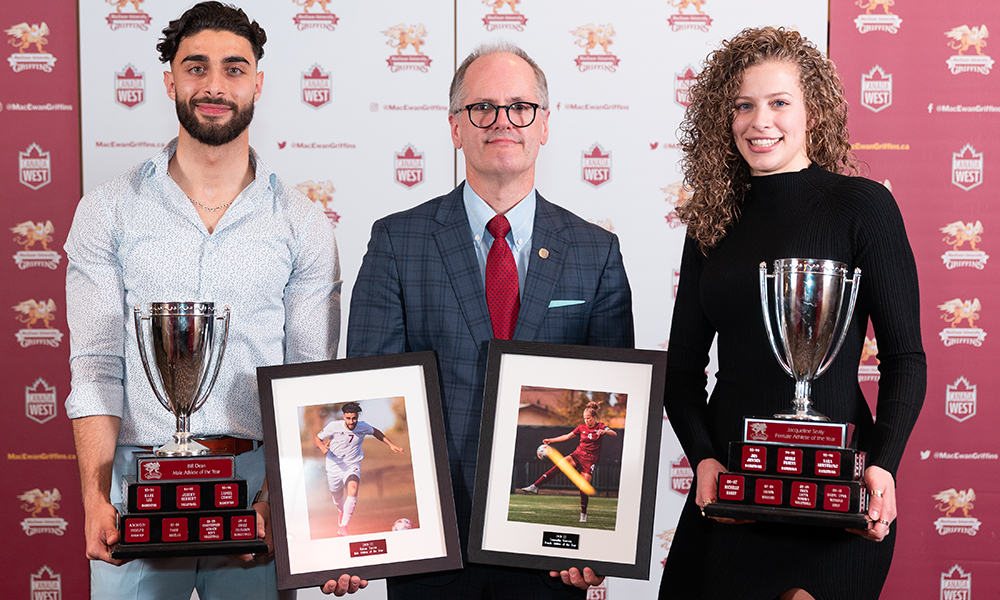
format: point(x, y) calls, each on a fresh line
point(357, 469)
point(568, 458)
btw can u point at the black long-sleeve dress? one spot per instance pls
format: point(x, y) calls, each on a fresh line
point(807, 214)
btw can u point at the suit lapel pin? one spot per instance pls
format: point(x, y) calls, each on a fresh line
point(543, 253)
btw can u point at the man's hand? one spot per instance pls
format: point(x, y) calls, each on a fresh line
point(101, 532)
point(263, 530)
point(577, 579)
point(345, 584)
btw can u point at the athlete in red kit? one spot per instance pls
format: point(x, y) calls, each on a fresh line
point(584, 457)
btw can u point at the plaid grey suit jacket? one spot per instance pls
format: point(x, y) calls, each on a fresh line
point(420, 288)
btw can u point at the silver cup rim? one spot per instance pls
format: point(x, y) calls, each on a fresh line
point(182, 309)
point(810, 265)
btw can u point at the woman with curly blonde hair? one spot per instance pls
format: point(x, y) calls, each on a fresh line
point(767, 159)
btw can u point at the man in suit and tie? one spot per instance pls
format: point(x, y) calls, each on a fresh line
point(490, 259)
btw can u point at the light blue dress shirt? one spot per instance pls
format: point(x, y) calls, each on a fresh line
point(522, 224)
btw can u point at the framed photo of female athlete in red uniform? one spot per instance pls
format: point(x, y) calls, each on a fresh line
point(568, 458)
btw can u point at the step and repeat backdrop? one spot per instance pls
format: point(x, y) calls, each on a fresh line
point(354, 114)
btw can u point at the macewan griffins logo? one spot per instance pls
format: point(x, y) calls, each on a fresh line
point(323, 19)
point(957, 311)
point(590, 37)
point(967, 168)
point(876, 89)
point(30, 233)
point(316, 87)
point(130, 87)
point(497, 20)
point(401, 37)
point(24, 37)
point(868, 366)
point(33, 311)
point(887, 22)
point(677, 195)
point(962, 38)
point(680, 21)
point(949, 502)
point(35, 502)
point(957, 235)
point(321, 192)
point(123, 20)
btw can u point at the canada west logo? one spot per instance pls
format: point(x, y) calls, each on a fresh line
point(322, 193)
point(957, 312)
point(323, 19)
point(951, 501)
point(887, 21)
point(23, 37)
point(957, 235)
point(680, 21)
point(591, 36)
point(36, 502)
point(681, 475)
point(401, 37)
point(497, 20)
point(124, 20)
point(27, 234)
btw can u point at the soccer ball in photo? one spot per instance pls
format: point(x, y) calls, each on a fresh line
point(402, 524)
point(542, 452)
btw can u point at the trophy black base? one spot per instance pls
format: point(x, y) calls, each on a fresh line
point(788, 516)
point(168, 550)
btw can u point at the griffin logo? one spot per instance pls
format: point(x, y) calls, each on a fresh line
point(324, 19)
point(957, 235)
point(321, 192)
point(960, 311)
point(677, 195)
point(35, 503)
point(591, 36)
point(497, 20)
point(125, 20)
point(868, 367)
point(31, 312)
point(962, 38)
point(27, 235)
point(23, 38)
point(402, 37)
point(951, 501)
point(696, 20)
point(887, 21)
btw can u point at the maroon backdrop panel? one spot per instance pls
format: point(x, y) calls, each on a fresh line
point(42, 523)
point(925, 112)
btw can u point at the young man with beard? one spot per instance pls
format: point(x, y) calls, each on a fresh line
point(203, 220)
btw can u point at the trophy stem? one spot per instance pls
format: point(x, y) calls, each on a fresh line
point(183, 444)
point(802, 409)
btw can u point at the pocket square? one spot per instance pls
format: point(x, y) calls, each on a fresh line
point(558, 303)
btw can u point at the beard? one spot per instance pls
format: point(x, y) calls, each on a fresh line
point(213, 134)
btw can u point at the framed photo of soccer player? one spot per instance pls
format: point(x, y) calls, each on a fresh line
point(568, 458)
point(357, 469)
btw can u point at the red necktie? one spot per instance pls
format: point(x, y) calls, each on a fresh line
point(501, 281)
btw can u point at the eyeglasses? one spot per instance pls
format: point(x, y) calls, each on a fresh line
point(484, 114)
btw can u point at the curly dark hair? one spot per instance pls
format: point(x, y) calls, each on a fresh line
point(714, 170)
point(213, 16)
point(351, 407)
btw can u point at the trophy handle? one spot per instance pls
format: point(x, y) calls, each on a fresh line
point(141, 338)
point(218, 361)
point(766, 310)
point(855, 281)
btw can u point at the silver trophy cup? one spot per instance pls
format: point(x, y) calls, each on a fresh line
point(808, 302)
point(182, 335)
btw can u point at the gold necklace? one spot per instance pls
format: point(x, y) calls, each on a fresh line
point(210, 208)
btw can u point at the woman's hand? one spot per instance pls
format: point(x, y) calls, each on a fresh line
point(708, 488)
point(881, 503)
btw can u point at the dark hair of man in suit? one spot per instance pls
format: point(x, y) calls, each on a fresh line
point(213, 16)
point(457, 91)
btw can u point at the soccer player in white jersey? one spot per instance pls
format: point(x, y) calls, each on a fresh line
point(341, 441)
